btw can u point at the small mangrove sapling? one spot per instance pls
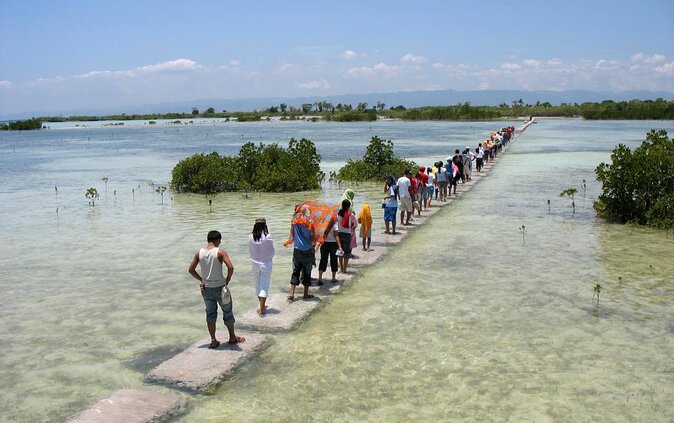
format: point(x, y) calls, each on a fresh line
point(570, 193)
point(523, 231)
point(105, 180)
point(548, 206)
point(596, 291)
point(161, 189)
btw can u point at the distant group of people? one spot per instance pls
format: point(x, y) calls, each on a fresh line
point(410, 192)
point(416, 191)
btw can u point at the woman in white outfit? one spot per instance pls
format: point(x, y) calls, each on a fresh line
point(261, 248)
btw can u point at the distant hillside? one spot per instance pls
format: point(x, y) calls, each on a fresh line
point(407, 99)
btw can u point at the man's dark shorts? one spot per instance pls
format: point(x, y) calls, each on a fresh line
point(212, 297)
point(303, 261)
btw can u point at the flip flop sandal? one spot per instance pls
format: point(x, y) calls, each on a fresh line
point(214, 344)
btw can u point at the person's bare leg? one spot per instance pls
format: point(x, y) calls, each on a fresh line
point(320, 276)
point(233, 339)
point(334, 276)
point(369, 241)
point(263, 307)
point(211, 330)
point(292, 292)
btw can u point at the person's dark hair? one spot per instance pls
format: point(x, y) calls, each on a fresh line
point(407, 172)
point(259, 229)
point(346, 204)
point(429, 170)
point(439, 164)
point(214, 236)
point(456, 151)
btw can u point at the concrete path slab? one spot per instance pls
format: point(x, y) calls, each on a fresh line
point(199, 367)
point(132, 406)
point(281, 313)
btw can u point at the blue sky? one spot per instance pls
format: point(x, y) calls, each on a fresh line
point(60, 55)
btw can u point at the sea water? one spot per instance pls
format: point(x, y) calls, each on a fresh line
point(464, 320)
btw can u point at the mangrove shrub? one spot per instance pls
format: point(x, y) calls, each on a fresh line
point(377, 162)
point(638, 186)
point(267, 168)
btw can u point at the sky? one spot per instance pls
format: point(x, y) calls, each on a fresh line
point(60, 55)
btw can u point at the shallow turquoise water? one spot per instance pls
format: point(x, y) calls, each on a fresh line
point(460, 322)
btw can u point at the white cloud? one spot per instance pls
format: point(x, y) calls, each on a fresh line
point(666, 69)
point(349, 54)
point(410, 58)
point(484, 85)
point(172, 66)
point(5, 84)
point(643, 58)
point(177, 65)
point(554, 62)
point(371, 71)
point(511, 66)
point(313, 85)
point(234, 62)
point(532, 63)
point(606, 64)
point(438, 66)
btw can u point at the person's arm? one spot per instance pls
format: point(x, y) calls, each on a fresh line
point(271, 242)
point(224, 258)
point(193, 270)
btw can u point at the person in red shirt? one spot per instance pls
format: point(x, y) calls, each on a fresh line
point(423, 195)
point(416, 194)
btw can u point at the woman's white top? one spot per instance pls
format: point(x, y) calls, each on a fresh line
point(261, 251)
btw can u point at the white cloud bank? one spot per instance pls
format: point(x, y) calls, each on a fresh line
point(314, 85)
point(184, 79)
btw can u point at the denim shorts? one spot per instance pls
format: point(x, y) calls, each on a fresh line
point(212, 297)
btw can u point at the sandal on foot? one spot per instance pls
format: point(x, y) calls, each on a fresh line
point(214, 344)
point(291, 298)
point(238, 340)
point(308, 297)
point(319, 283)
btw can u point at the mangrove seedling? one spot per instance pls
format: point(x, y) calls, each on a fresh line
point(523, 231)
point(161, 189)
point(620, 279)
point(105, 180)
point(92, 196)
point(596, 291)
point(210, 202)
point(548, 206)
point(570, 193)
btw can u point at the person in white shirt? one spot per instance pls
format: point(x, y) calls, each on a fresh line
point(406, 207)
point(261, 249)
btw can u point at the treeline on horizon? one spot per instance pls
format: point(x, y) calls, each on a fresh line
point(658, 109)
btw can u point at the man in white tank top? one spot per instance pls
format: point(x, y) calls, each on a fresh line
point(212, 281)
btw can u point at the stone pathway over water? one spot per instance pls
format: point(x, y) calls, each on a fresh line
point(199, 368)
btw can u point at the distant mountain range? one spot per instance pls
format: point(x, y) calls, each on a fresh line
point(405, 98)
